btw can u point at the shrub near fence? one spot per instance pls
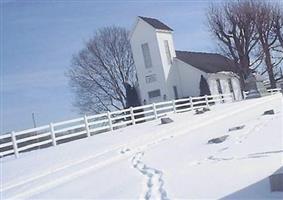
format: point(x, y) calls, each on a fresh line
point(66, 131)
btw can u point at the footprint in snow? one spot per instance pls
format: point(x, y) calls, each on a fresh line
point(154, 179)
point(223, 149)
point(125, 150)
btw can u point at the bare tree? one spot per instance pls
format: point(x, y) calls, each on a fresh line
point(265, 20)
point(278, 48)
point(100, 71)
point(233, 26)
point(278, 26)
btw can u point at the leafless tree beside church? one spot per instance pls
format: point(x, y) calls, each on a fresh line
point(101, 70)
point(249, 32)
point(232, 25)
point(278, 47)
point(265, 19)
point(278, 28)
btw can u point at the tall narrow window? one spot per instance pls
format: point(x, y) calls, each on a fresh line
point(219, 86)
point(231, 87)
point(167, 51)
point(146, 55)
point(175, 92)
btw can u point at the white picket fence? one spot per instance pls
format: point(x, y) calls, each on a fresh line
point(270, 91)
point(65, 131)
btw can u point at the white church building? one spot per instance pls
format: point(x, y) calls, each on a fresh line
point(165, 74)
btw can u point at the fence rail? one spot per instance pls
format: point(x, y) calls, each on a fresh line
point(270, 91)
point(66, 131)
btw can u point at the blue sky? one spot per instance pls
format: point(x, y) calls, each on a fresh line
point(38, 39)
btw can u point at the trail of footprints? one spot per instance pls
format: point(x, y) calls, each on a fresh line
point(154, 177)
point(155, 183)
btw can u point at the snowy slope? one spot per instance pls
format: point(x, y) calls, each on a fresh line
point(153, 161)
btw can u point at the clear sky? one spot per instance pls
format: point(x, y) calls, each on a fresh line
point(38, 39)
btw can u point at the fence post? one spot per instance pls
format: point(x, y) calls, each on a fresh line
point(52, 134)
point(154, 110)
point(15, 146)
point(86, 126)
point(132, 116)
point(244, 95)
point(174, 105)
point(110, 121)
point(191, 102)
point(206, 101)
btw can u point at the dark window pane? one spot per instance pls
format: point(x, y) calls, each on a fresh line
point(154, 93)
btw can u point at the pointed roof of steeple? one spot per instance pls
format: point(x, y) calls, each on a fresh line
point(155, 23)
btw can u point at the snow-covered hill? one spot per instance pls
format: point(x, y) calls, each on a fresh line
point(153, 161)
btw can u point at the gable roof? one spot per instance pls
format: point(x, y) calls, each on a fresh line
point(207, 62)
point(155, 23)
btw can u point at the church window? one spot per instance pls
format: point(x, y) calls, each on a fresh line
point(167, 51)
point(154, 94)
point(146, 55)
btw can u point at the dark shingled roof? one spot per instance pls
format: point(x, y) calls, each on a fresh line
point(156, 23)
point(207, 62)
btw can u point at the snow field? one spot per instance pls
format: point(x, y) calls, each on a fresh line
point(155, 161)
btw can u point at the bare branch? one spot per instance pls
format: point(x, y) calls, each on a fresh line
point(100, 70)
point(232, 25)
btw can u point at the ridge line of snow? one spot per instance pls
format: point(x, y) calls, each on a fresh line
point(33, 178)
point(56, 182)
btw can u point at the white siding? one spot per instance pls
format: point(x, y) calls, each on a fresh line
point(237, 88)
point(161, 37)
point(144, 33)
point(165, 73)
point(189, 77)
point(223, 77)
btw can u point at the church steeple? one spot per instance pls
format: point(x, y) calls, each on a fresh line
point(153, 51)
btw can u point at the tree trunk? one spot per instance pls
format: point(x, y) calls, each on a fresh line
point(280, 38)
point(269, 68)
point(242, 82)
point(245, 66)
point(279, 32)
